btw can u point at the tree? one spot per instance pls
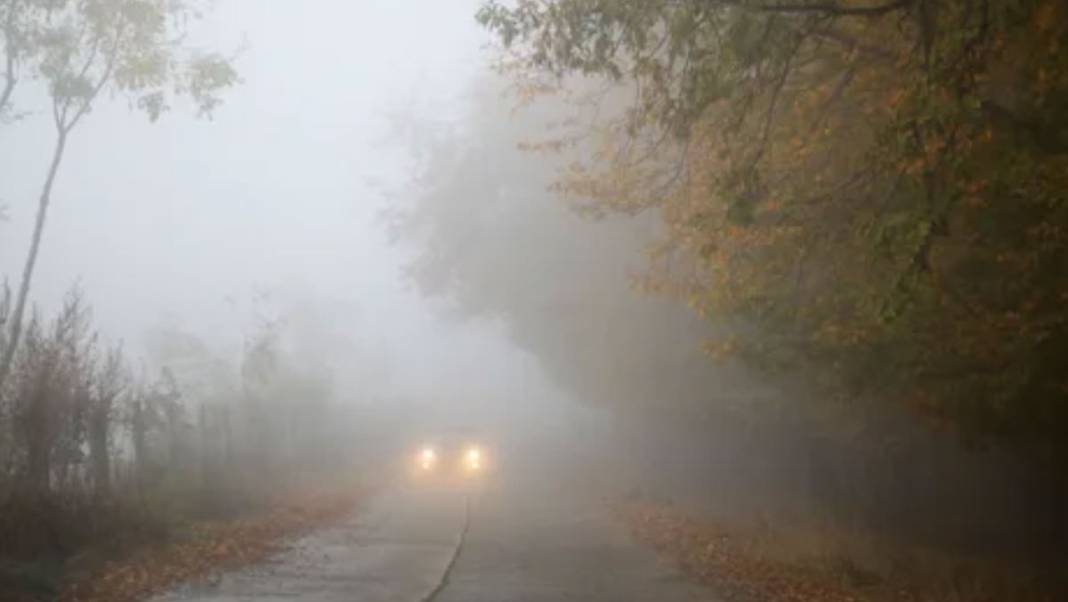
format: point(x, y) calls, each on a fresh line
point(132, 47)
point(18, 28)
point(873, 193)
point(107, 383)
point(49, 371)
point(12, 51)
point(492, 243)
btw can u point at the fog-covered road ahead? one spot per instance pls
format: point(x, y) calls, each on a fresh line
point(520, 539)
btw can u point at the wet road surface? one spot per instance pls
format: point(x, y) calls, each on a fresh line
point(510, 540)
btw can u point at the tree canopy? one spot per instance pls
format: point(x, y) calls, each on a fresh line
point(874, 193)
point(493, 243)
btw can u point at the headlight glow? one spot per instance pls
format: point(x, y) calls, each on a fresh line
point(473, 458)
point(427, 458)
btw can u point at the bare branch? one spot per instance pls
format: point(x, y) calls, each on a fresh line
point(104, 79)
point(769, 116)
point(10, 57)
point(835, 9)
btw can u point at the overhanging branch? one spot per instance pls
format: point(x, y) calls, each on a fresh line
point(834, 9)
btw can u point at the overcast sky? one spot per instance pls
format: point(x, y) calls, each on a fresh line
point(184, 217)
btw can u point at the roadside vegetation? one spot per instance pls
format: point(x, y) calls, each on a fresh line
point(120, 474)
point(809, 257)
point(873, 194)
point(118, 479)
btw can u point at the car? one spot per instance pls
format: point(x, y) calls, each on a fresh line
point(455, 452)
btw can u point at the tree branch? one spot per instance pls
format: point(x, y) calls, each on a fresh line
point(839, 89)
point(10, 60)
point(769, 116)
point(9, 80)
point(104, 79)
point(834, 9)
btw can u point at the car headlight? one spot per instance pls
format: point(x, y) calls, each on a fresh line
point(473, 458)
point(427, 458)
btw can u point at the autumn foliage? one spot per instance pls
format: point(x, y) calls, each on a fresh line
point(866, 204)
point(870, 194)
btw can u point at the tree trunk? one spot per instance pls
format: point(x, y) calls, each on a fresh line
point(15, 332)
point(98, 452)
point(38, 453)
point(228, 439)
point(174, 440)
point(138, 437)
point(9, 83)
point(39, 439)
point(206, 448)
point(1058, 515)
point(39, 465)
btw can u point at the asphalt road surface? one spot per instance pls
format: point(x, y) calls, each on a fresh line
point(516, 539)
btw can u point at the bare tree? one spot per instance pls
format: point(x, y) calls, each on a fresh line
point(108, 384)
point(44, 390)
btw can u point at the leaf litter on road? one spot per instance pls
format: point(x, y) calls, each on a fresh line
point(210, 548)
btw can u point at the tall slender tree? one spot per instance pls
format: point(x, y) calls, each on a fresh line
point(133, 47)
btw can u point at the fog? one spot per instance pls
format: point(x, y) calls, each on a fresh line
point(380, 210)
point(187, 218)
point(359, 250)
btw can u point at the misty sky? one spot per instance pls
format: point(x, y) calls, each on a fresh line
point(183, 218)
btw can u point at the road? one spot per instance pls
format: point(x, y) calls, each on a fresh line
point(518, 539)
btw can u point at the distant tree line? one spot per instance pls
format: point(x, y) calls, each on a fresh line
point(92, 443)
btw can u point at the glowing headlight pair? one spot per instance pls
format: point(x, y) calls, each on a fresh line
point(471, 460)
